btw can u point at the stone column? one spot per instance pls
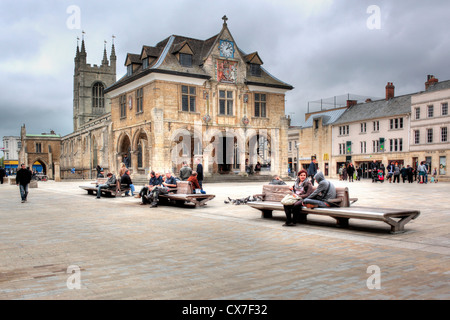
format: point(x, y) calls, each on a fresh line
point(57, 172)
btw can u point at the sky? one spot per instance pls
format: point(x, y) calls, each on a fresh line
point(323, 48)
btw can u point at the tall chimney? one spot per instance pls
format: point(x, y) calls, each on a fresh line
point(430, 81)
point(351, 103)
point(390, 90)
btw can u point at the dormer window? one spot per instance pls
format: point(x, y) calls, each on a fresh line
point(129, 70)
point(255, 69)
point(145, 63)
point(186, 59)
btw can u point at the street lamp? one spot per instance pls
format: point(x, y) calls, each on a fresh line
point(298, 162)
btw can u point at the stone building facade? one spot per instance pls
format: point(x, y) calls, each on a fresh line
point(89, 144)
point(314, 139)
point(187, 98)
point(44, 148)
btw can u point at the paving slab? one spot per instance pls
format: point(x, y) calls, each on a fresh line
point(114, 248)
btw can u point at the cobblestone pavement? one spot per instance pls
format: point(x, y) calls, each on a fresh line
point(221, 251)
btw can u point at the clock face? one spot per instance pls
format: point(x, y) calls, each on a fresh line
point(226, 49)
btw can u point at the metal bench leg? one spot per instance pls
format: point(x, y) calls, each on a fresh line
point(398, 226)
point(342, 222)
point(266, 214)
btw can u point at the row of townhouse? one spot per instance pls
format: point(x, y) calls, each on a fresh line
point(406, 129)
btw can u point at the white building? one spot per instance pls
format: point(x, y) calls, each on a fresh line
point(10, 149)
point(375, 130)
point(430, 122)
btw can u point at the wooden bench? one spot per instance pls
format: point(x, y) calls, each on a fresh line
point(184, 194)
point(396, 218)
point(114, 190)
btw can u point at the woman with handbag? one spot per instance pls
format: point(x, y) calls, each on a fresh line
point(301, 189)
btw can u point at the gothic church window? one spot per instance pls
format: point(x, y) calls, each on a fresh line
point(98, 97)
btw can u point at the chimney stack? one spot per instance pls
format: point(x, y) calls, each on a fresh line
point(351, 103)
point(431, 80)
point(390, 91)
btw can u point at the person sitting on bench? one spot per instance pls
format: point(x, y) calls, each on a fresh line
point(169, 182)
point(111, 181)
point(302, 188)
point(155, 180)
point(195, 185)
point(325, 191)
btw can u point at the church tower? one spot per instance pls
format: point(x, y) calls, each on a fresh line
point(89, 83)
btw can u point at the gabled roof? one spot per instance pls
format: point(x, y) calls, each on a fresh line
point(133, 59)
point(253, 58)
point(328, 117)
point(165, 61)
point(377, 109)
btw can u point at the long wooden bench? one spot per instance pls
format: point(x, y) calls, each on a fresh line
point(114, 190)
point(184, 194)
point(396, 218)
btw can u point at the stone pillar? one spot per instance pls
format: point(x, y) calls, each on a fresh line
point(57, 172)
point(134, 161)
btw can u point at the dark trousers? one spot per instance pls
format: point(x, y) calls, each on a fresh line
point(397, 177)
point(154, 194)
point(293, 212)
point(312, 180)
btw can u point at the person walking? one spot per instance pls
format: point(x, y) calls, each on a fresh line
point(390, 170)
point(350, 172)
point(199, 170)
point(185, 171)
point(374, 170)
point(312, 170)
point(396, 173)
point(2, 174)
point(23, 178)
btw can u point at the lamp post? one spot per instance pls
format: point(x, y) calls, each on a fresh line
point(298, 162)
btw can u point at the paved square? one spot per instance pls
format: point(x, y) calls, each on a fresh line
point(121, 250)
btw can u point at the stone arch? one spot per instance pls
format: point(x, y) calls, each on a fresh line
point(141, 150)
point(181, 147)
point(259, 147)
point(123, 147)
point(42, 162)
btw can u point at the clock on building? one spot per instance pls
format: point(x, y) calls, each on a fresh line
point(226, 49)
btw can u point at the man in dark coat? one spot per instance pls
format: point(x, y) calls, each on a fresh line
point(23, 178)
point(312, 170)
point(374, 169)
point(199, 173)
point(350, 172)
point(2, 174)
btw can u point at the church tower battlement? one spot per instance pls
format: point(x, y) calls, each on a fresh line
point(89, 83)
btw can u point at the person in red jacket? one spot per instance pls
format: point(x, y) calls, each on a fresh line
point(194, 181)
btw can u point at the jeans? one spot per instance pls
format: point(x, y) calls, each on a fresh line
point(99, 191)
point(24, 191)
point(320, 203)
point(156, 192)
point(132, 190)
